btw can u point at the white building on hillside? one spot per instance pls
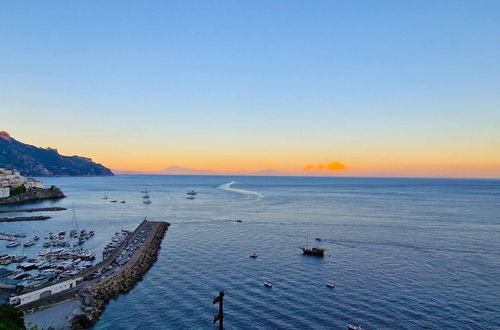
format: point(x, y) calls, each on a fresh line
point(13, 179)
point(4, 192)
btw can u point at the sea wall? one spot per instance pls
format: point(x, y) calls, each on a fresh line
point(98, 295)
point(32, 195)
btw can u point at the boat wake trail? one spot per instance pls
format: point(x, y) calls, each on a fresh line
point(227, 187)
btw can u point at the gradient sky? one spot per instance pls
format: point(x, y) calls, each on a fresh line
point(383, 87)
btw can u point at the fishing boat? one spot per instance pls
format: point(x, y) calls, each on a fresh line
point(192, 193)
point(253, 255)
point(315, 251)
point(268, 284)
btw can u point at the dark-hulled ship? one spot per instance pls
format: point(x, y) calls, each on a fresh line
point(315, 251)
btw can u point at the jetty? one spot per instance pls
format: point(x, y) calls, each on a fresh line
point(34, 218)
point(94, 287)
point(40, 209)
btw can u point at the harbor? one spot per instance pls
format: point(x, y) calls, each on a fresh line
point(93, 285)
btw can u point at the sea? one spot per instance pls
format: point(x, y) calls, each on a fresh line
point(403, 253)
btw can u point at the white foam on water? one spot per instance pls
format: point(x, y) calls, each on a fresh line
point(227, 187)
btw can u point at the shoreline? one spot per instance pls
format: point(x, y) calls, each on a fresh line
point(33, 195)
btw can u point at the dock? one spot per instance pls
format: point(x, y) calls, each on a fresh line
point(34, 218)
point(40, 209)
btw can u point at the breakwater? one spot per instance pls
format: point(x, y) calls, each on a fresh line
point(97, 294)
point(40, 209)
point(33, 195)
point(34, 218)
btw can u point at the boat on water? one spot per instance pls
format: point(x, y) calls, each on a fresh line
point(13, 244)
point(47, 244)
point(353, 327)
point(123, 202)
point(36, 238)
point(105, 197)
point(253, 255)
point(28, 243)
point(268, 284)
point(238, 220)
point(315, 251)
point(330, 285)
point(147, 201)
point(113, 201)
point(192, 193)
point(190, 197)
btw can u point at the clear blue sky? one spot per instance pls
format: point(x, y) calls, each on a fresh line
point(255, 84)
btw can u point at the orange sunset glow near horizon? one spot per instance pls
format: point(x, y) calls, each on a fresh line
point(132, 156)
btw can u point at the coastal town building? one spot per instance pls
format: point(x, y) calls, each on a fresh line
point(13, 179)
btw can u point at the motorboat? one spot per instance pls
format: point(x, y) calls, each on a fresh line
point(147, 201)
point(330, 285)
point(238, 220)
point(36, 238)
point(353, 327)
point(47, 244)
point(123, 202)
point(28, 243)
point(268, 284)
point(113, 201)
point(253, 255)
point(192, 193)
point(190, 197)
point(105, 197)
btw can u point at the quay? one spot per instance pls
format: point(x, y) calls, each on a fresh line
point(34, 218)
point(41, 209)
point(95, 286)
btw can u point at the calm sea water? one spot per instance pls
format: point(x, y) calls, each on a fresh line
point(403, 253)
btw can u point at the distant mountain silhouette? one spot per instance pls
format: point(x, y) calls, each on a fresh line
point(34, 161)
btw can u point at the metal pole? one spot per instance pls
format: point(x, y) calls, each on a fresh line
point(221, 311)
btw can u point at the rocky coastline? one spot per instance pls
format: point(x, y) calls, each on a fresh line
point(32, 195)
point(95, 298)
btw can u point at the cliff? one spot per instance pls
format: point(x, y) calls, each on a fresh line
point(33, 194)
point(34, 161)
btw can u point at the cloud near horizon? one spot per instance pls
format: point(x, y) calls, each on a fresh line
point(333, 166)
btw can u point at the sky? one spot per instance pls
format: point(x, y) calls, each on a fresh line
point(361, 88)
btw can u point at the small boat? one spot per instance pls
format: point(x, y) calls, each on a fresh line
point(5, 262)
point(113, 201)
point(62, 233)
point(36, 238)
point(330, 285)
point(190, 197)
point(192, 193)
point(145, 196)
point(46, 244)
point(353, 327)
point(268, 284)
point(238, 220)
point(105, 197)
point(13, 244)
point(147, 201)
point(253, 255)
point(123, 202)
point(28, 243)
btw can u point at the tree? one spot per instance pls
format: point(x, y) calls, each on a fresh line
point(11, 318)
